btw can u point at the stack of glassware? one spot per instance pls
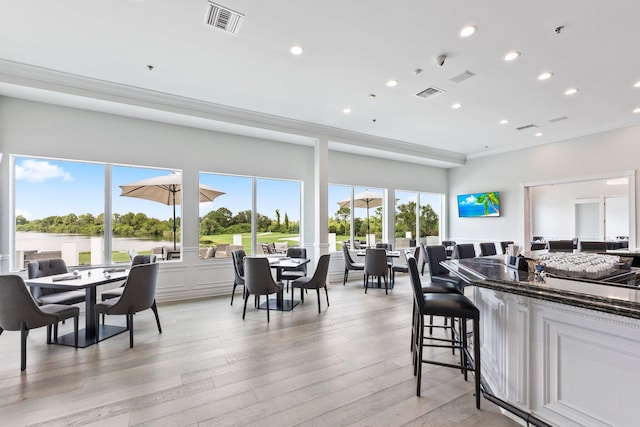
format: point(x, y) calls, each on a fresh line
point(580, 265)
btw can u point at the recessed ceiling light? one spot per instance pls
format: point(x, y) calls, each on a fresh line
point(637, 110)
point(637, 84)
point(511, 56)
point(468, 31)
point(545, 76)
point(539, 134)
point(504, 121)
point(392, 83)
point(296, 49)
point(346, 110)
point(571, 91)
point(456, 105)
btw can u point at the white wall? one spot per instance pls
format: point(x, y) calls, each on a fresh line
point(36, 129)
point(598, 154)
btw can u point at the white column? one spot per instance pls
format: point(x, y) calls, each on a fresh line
point(97, 246)
point(321, 197)
point(389, 217)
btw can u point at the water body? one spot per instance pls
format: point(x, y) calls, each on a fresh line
point(26, 241)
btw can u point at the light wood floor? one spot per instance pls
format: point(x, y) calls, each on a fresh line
point(350, 365)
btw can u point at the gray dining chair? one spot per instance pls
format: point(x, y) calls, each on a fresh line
point(487, 249)
point(375, 265)
point(293, 273)
point(317, 281)
point(19, 312)
point(51, 267)
point(139, 294)
point(238, 271)
point(349, 264)
point(259, 281)
point(464, 250)
point(117, 292)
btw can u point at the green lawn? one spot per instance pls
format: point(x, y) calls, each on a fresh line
point(84, 258)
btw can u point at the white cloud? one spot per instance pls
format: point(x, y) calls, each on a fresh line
point(39, 171)
point(471, 200)
point(28, 215)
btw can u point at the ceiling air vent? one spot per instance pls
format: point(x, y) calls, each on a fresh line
point(223, 18)
point(430, 92)
point(527, 127)
point(462, 77)
point(558, 119)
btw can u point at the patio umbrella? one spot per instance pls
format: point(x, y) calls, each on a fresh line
point(166, 189)
point(366, 199)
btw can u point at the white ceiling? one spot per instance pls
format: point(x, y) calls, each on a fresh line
point(94, 54)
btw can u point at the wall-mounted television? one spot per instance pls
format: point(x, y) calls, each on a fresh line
point(479, 204)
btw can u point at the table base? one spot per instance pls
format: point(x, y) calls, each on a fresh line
point(285, 305)
point(106, 331)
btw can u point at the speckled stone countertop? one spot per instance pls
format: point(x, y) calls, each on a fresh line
point(493, 273)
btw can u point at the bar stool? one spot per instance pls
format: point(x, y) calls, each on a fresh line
point(449, 305)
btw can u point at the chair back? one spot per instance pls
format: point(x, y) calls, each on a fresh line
point(560, 245)
point(435, 254)
point(143, 259)
point(505, 245)
point(487, 248)
point(238, 265)
point(375, 262)
point(257, 276)
point(46, 267)
point(295, 252)
point(387, 246)
point(586, 246)
point(17, 305)
point(464, 250)
point(139, 291)
point(43, 268)
point(319, 278)
point(416, 283)
point(347, 256)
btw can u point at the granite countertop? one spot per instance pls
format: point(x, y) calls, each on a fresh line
point(493, 273)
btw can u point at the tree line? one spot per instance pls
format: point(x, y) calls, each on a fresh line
point(220, 221)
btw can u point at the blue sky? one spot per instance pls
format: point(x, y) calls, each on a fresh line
point(51, 187)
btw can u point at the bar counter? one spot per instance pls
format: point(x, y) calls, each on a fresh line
point(558, 351)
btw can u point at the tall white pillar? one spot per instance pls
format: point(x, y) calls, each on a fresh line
point(321, 198)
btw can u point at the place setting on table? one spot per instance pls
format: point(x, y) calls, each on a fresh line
point(88, 280)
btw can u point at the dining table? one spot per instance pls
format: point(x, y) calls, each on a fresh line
point(279, 264)
point(88, 280)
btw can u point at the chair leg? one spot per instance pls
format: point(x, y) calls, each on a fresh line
point(130, 322)
point(23, 345)
point(366, 282)
point(98, 326)
point(55, 331)
point(154, 307)
point(49, 333)
point(246, 300)
point(318, 293)
point(327, 293)
point(419, 353)
point(346, 276)
point(476, 358)
point(268, 320)
point(75, 331)
point(233, 292)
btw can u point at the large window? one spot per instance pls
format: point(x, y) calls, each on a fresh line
point(417, 218)
point(355, 212)
point(60, 210)
point(226, 223)
point(146, 205)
